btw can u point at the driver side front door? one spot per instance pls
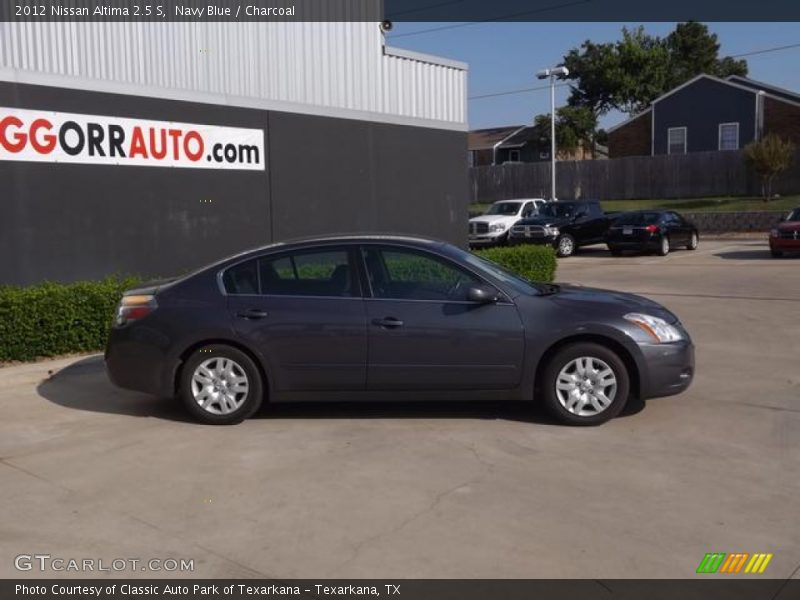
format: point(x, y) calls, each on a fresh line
point(423, 332)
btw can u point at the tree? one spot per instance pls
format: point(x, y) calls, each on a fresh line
point(627, 75)
point(575, 127)
point(769, 157)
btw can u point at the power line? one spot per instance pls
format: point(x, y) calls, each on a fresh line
point(547, 87)
point(519, 91)
point(510, 17)
point(765, 50)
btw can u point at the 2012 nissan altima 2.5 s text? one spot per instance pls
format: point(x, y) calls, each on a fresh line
point(390, 318)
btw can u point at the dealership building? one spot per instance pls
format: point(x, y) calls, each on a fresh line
point(152, 148)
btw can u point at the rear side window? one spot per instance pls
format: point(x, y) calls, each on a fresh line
point(321, 273)
point(638, 218)
point(242, 278)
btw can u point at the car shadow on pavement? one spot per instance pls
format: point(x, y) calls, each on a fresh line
point(760, 254)
point(84, 386)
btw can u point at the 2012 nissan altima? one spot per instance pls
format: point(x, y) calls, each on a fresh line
point(390, 318)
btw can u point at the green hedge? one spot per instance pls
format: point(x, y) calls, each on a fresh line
point(49, 319)
point(535, 263)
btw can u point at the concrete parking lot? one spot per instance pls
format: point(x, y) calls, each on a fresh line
point(442, 490)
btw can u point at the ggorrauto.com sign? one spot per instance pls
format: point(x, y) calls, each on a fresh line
point(57, 137)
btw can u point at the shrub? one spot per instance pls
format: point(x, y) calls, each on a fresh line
point(49, 319)
point(535, 263)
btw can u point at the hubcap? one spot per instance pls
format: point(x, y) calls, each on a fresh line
point(219, 385)
point(586, 386)
point(565, 245)
point(694, 241)
point(665, 245)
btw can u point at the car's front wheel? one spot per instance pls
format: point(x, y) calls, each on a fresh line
point(663, 248)
point(565, 246)
point(585, 384)
point(220, 385)
point(693, 241)
point(775, 253)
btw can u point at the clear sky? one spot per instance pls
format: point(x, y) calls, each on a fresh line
point(505, 56)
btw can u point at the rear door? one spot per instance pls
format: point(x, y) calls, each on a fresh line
point(676, 229)
point(425, 335)
point(303, 312)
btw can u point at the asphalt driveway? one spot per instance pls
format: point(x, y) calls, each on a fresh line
point(436, 490)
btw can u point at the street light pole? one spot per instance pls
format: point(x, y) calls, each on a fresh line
point(552, 74)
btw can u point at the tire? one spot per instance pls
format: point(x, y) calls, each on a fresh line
point(615, 251)
point(577, 406)
point(565, 246)
point(663, 248)
point(693, 241)
point(775, 253)
point(207, 364)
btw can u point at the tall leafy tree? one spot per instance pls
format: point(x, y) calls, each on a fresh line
point(575, 127)
point(627, 75)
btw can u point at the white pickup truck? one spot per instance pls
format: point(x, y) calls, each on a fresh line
point(492, 228)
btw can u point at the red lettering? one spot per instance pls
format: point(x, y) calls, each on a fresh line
point(175, 134)
point(137, 144)
point(195, 156)
point(47, 143)
point(162, 152)
point(21, 138)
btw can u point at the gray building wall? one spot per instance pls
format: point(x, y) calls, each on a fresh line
point(701, 107)
point(323, 175)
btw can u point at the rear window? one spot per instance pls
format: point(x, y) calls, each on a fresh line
point(638, 218)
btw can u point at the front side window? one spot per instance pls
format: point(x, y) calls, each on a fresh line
point(402, 274)
point(676, 140)
point(729, 136)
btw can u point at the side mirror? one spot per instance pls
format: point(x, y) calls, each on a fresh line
point(482, 294)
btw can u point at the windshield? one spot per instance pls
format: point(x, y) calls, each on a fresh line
point(500, 273)
point(557, 209)
point(504, 208)
point(794, 215)
point(637, 218)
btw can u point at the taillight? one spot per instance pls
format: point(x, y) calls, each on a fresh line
point(133, 308)
point(651, 229)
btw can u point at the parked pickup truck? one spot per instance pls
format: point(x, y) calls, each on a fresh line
point(492, 228)
point(565, 225)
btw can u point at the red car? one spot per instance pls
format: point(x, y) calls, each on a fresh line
point(785, 236)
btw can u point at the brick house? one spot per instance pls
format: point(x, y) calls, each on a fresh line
point(707, 114)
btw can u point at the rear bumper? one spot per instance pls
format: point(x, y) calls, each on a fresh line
point(136, 359)
point(640, 245)
point(666, 369)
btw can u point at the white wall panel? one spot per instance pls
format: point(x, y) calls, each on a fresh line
point(325, 65)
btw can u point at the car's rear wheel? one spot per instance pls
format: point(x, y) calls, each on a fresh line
point(693, 241)
point(585, 384)
point(663, 248)
point(565, 246)
point(220, 385)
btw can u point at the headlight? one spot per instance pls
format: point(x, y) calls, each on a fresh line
point(497, 227)
point(551, 231)
point(774, 233)
point(655, 327)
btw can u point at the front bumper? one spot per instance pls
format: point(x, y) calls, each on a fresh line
point(665, 369)
point(547, 240)
point(486, 239)
point(784, 244)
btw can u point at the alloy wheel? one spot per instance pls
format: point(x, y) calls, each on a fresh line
point(586, 386)
point(566, 246)
point(220, 385)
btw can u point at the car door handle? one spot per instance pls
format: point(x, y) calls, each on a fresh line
point(252, 313)
point(389, 322)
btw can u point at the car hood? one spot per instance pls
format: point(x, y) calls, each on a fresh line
point(494, 219)
point(584, 299)
point(545, 221)
point(789, 226)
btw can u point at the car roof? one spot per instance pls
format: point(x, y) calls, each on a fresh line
point(519, 200)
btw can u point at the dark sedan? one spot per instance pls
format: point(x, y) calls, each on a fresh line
point(656, 231)
point(385, 318)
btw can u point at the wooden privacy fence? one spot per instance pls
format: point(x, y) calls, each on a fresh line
point(692, 175)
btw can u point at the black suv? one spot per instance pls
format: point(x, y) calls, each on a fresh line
point(564, 225)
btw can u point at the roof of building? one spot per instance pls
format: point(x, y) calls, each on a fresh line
point(737, 81)
point(486, 139)
point(521, 137)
